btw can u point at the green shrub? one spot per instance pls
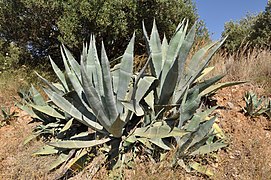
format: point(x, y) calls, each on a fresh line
point(250, 32)
point(39, 27)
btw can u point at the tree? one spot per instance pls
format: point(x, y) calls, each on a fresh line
point(40, 26)
point(251, 31)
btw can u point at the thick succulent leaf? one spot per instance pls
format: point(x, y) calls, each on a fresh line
point(27, 110)
point(208, 148)
point(189, 106)
point(94, 101)
point(156, 51)
point(73, 63)
point(93, 66)
point(60, 75)
point(172, 53)
point(110, 101)
point(149, 99)
point(37, 97)
point(78, 144)
point(218, 86)
point(198, 118)
point(73, 161)
point(60, 87)
point(207, 58)
point(185, 49)
point(205, 84)
point(146, 38)
point(206, 71)
point(61, 159)
point(159, 142)
point(164, 49)
point(169, 85)
point(48, 110)
point(146, 142)
point(197, 59)
point(218, 131)
point(141, 89)
point(201, 169)
point(72, 76)
point(66, 106)
point(31, 137)
point(67, 126)
point(126, 70)
point(197, 64)
point(159, 130)
point(203, 130)
point(50, 85)
point(134, 107)
point(115, 77)
point(46, 150)
point(116, 128)
point(80, 135)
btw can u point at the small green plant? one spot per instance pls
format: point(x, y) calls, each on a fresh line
point(255, 106)
point(7, 116)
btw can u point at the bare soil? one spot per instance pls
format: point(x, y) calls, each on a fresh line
point(246, 157)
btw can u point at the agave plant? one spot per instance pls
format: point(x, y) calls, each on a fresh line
point(116, 109)
point(6, 116)
point(254, 105)
point(181, 84)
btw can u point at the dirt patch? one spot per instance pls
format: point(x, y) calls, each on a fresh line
point(16, 160)
point(247, 157)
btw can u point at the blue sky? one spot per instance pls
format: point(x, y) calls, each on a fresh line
point(216, 12)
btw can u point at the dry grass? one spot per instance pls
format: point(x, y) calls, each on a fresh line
point(253, 66)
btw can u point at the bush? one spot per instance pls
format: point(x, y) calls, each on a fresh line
point(251, 31)
point(39, 27)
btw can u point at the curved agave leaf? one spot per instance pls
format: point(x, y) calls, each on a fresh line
point(78, 144)
point(50, 85)
point(61, 159)
point(67, 126)
point(198, 118)
point(218, 86)
point(202, 169)
point(172, 53)
point(93, 66)
point(159, 142)
point(156, 51)
point(73, 63)
point(72, 162)
point(46, 150)
point(204, 73)
point(126, 70)
point(60, 75)
point(140, 91)
point(37, 97)
point(208, 148)
point(185, 49)
point(66, 106)
point(28, 111)
point(95, 101)
point(73, 77)
point(203, 130)
point(47, 110)
point(110, 101)
point(159, 130)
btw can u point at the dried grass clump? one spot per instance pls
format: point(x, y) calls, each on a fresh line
point(252, 65)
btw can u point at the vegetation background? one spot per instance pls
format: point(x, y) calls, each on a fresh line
point(31, 30)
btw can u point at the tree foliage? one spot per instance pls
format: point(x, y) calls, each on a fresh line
point(40, 26)
point(251, 31)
